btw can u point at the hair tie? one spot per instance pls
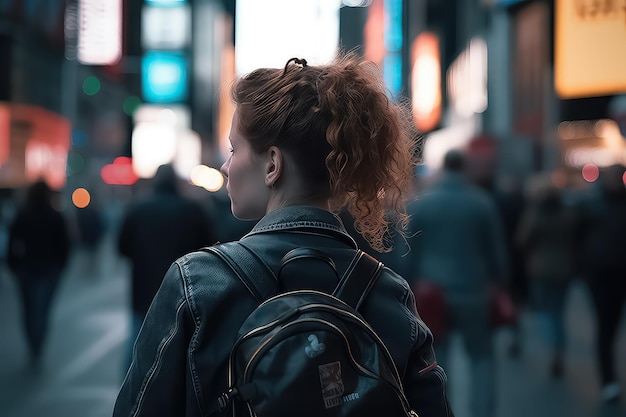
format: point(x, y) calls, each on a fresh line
point(298, 61)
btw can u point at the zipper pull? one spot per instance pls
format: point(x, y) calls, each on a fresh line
point(224, 400)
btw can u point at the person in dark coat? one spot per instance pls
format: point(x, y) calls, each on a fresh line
point(155, 230)
point(605, 268)
point(38, 251)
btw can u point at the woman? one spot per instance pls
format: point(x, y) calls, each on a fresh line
point(306, 142)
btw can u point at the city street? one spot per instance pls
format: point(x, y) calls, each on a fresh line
point(82, 368)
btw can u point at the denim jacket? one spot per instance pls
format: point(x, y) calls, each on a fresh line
point(179, 359)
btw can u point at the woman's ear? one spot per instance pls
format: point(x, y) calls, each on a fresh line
point(274, 167)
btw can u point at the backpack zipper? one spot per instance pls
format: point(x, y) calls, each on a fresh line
point(267, 344)
point(253, 332)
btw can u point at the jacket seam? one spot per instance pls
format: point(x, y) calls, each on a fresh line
point(189, 291)
point(294, 225)
point(157, 363)
point(438, 371)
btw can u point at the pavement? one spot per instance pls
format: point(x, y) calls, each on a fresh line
point(81, 370)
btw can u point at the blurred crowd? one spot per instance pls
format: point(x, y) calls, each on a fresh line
point(469, 234)
point(534, 238)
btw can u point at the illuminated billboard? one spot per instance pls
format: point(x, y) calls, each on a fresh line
point(165, 28)
point(164, 77)
point(269, 32)
point(590, 48)
point(426, 81)
point(36, 143)
point(100, 32)
point(162, 135)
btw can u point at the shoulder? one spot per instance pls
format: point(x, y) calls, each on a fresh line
point(135, 208)
point(207, 276)
point(216, 297)
point(391, 293)
point(393, 284)
point(390, 310)
point(202, 263)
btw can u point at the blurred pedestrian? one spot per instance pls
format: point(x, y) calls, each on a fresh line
point(155, 230)
point(91, 226)
point(460, 246)
point(90, 229)
point(306, 141)
point(511, 202)
point(38, 249)
point(549, 237)
point(605, 267)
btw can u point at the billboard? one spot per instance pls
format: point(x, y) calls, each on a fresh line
point(35, 144)
point(164, 77)
point(590, 48)
point(269, 32)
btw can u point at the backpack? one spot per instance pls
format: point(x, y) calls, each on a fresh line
point(305, 352)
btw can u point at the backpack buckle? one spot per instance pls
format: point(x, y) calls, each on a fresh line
point(223, 401)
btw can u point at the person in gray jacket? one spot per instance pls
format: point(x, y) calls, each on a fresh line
point(306, 141)
point(458, 243)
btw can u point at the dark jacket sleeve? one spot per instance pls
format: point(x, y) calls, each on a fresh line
point(180, 355)
point(425, 382)
point(155, 383)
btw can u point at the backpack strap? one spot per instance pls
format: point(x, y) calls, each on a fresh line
point(243, 261)
point(358, 279)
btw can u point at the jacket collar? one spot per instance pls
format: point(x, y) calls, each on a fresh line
point(303, 218)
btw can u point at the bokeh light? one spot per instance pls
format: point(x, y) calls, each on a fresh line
point(206, 177)
point(79, 138)
point(91, 85)
point(81, 197)
point(120, 172)
point(131, 104)
point(590, 172)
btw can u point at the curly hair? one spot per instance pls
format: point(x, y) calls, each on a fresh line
point(353, 145)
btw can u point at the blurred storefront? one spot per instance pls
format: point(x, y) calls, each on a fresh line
point(510, 70)
point(516, 70)
point(38, 146)
point(34, 132)
point(567, 62)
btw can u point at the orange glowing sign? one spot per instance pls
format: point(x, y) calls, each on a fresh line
point(5, 133)
point(590, 48)
point(374, 32)
point(426, 81)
